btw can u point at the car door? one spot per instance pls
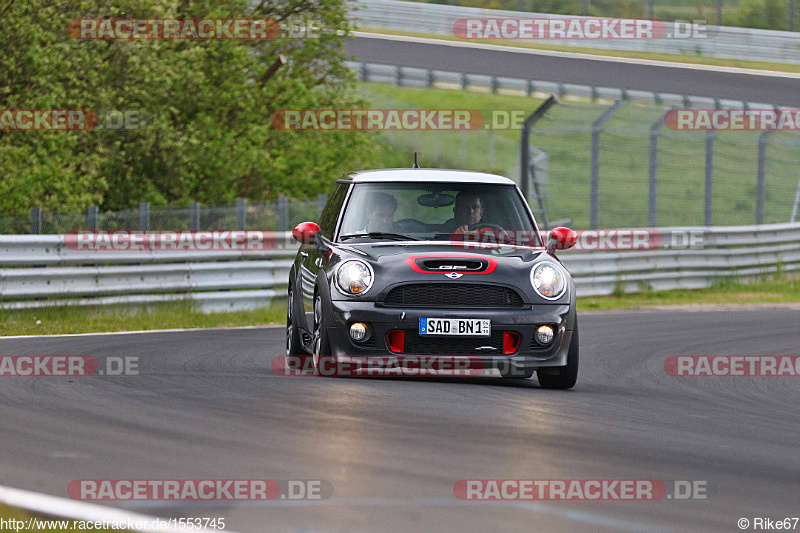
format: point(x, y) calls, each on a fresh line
point(312, 258)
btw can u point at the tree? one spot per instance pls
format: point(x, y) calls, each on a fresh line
point(208, 104)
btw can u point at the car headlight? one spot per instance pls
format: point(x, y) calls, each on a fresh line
point(549, 280)
point(354, 277)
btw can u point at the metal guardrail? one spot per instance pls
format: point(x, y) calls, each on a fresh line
point(42, 271)
point(721, 41)
point(419, 77)
point(53, 275)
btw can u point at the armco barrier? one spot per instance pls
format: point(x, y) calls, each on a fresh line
point(40, 271)
point(720, 41)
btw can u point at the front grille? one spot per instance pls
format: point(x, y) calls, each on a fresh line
point(429, 345)
point(452, 295)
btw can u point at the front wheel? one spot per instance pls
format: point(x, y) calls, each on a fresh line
point(293, 344)
point(324, 363)
point(562, 377)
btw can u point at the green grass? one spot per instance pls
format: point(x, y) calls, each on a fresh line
point(688, 57)
point(727, 291)
point(60, 320)
point(565, 136)
point(9, 513)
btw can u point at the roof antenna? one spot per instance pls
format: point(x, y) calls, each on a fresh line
point(415, 161)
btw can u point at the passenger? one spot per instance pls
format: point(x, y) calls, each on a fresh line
point(380, 212)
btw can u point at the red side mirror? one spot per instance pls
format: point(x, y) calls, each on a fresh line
point(305, 231)
point(562, 239)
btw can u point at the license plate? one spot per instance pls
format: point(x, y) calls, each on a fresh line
point(467, 327)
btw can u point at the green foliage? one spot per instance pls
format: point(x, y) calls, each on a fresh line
point(769, 14)
point(210, 102)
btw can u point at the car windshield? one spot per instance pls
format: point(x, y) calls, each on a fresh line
point(432, 211)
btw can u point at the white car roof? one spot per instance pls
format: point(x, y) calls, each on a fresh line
point(425, 175)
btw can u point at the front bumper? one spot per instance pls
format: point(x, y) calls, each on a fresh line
point(381, 320)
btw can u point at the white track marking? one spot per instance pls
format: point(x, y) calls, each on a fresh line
point(77, 510)
point(136, 332)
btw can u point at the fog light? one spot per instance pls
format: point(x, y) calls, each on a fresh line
point(358, 331)
point(544, 334)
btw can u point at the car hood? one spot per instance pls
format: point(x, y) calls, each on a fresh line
point(397, 263)
point(382, 251)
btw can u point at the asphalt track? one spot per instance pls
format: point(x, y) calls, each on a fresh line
point(206, 405)
point(777, 88)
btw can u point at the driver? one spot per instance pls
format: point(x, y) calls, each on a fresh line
point(380, 212)
point(468, 210)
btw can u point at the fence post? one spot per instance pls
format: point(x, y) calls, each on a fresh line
point(790, 16)
point(597, 128)
point(430, 78)
point(36, 220)
point(490, 149)
point(398, 75)
point(144, 216)
point(92, 222)
point(283, 212)
point(495, 84)
point(241, 213)
point(762, 164)
point(464, 81)
point(796, 203)
point(652, 203)
point(524, 148)
point(194, 216)
point(364, 72)
point(709, 204)
point(322, 199)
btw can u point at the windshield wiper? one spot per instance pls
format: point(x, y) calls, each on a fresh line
point(379, 235)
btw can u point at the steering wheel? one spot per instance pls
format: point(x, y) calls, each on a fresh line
point(482, 225)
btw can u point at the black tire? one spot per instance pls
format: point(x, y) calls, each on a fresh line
point(321, 344)
point(293, 344)
point(563, 377)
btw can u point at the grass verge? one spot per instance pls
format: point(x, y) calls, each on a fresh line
point(565, 137)
point(673, 58)
point(61, 320)
point(41, 523)
point(175, 316)
point(726, 292)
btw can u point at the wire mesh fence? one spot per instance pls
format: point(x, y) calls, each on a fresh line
point(277, 216)
point(621, 167)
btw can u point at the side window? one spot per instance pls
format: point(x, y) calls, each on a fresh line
point(330, 214)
